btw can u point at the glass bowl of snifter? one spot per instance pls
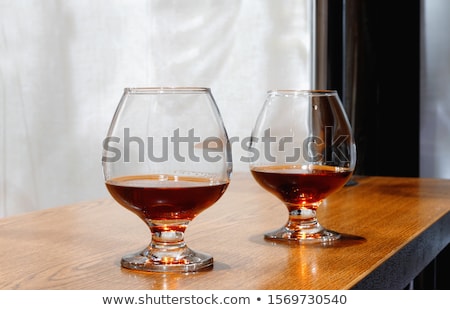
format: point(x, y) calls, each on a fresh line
point(167, 158)
point(306, 153)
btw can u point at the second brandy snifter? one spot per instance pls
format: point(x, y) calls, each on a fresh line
point(167, 158)
point(303, 151)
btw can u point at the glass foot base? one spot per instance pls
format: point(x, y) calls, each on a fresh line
point(320, 235)
point(161, 261)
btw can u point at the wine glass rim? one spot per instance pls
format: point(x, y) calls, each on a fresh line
point(167, 90)
point(294, 92)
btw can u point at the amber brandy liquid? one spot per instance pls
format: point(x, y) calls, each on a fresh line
point(296, 186)
point(162, 197)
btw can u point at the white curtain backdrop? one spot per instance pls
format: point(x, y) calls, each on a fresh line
point(64, 64)
point(435, 91)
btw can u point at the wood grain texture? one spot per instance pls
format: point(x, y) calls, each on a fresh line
point(80, 246)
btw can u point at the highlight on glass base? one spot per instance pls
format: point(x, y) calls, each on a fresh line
point(185, 260)
point(306, 153)
point(303, 227)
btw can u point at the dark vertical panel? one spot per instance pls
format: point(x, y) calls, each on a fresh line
point(374, 64)
point(396, 40)
point(335, 46)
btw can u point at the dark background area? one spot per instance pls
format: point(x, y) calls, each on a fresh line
point(374, 64)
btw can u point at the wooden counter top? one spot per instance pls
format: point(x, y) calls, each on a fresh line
point(393, 228)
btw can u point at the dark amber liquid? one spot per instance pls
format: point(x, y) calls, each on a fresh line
point(297, 186)
point(165, 197)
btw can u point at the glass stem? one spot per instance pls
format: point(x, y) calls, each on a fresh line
point(167, 235)
point(167, 250)
point(303, 219)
